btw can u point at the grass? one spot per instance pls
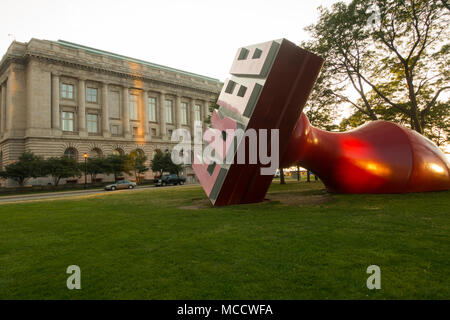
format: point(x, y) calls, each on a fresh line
point(142, 245)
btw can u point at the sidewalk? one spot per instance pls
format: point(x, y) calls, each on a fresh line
point(66, 194)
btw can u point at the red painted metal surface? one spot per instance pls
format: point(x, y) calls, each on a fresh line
point(378, 157)
point(269, 87)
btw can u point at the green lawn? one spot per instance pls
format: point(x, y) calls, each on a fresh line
point(142, 245)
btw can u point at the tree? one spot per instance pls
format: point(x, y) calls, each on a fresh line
point(95, 166)
point(27, 166)
point(322, 105)
point(158, 163)
point(137, 164)
point(162, 162)
point(117, 164)
point(438, 128)
point(61, 167)
point(172, 167)
point(355, 120)
point(393, 54)
point(282, 181)
point(444, 2)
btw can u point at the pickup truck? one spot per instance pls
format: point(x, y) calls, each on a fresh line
point(170, 179)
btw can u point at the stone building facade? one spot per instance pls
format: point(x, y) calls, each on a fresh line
point(58, 98)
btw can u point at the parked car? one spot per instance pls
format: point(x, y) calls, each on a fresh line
point(122, 184)
point(170, 179)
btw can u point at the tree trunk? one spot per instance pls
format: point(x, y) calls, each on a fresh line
point(415, 121)
point(298, 173)
point(136, 176)
point(372, 115)
point(21, 181)
point(308, 176)
point(282, 176)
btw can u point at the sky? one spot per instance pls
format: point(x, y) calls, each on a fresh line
point(200, 36)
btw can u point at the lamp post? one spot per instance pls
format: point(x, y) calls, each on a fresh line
point(85, 155)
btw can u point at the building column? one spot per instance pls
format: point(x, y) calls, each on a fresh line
point(82, 107)
point(178, 111)
point(2, 107)
point(162, 115)
point(126, 111)
point(144, 114)
point(205, 113)
point(105, 111)
point(7, 120)
point(192, 116)
point(55, 103)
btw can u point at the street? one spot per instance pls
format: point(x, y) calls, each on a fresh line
point(72, 194)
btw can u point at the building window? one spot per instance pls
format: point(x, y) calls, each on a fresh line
point(91, 95)
point(169, 111)
point(170, 132)
point(71, 153)
point(184, 111)
point(198, 115)
point(118, 152)
point(96, 153)
point(133, 107)
point(140, 153)
point(67, 91)
point(115, 130)
point(92, 123)
point(152, 109)
point(114, 104)
point(153, 132)
point(67, 121)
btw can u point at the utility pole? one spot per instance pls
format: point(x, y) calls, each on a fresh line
point(85, 155)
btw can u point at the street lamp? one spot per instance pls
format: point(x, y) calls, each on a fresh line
point(85, 155)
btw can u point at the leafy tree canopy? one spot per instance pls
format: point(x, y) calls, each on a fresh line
point(27, 166)
point(60, 167)
point(387, 59)
point(162, 162)
point(116, 165)
point(136, 161)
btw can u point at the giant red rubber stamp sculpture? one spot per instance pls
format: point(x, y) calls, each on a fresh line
point(268, 89)
point(378, 157)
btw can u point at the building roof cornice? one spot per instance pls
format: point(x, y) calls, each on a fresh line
point(129, 59)
point(85, 58)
